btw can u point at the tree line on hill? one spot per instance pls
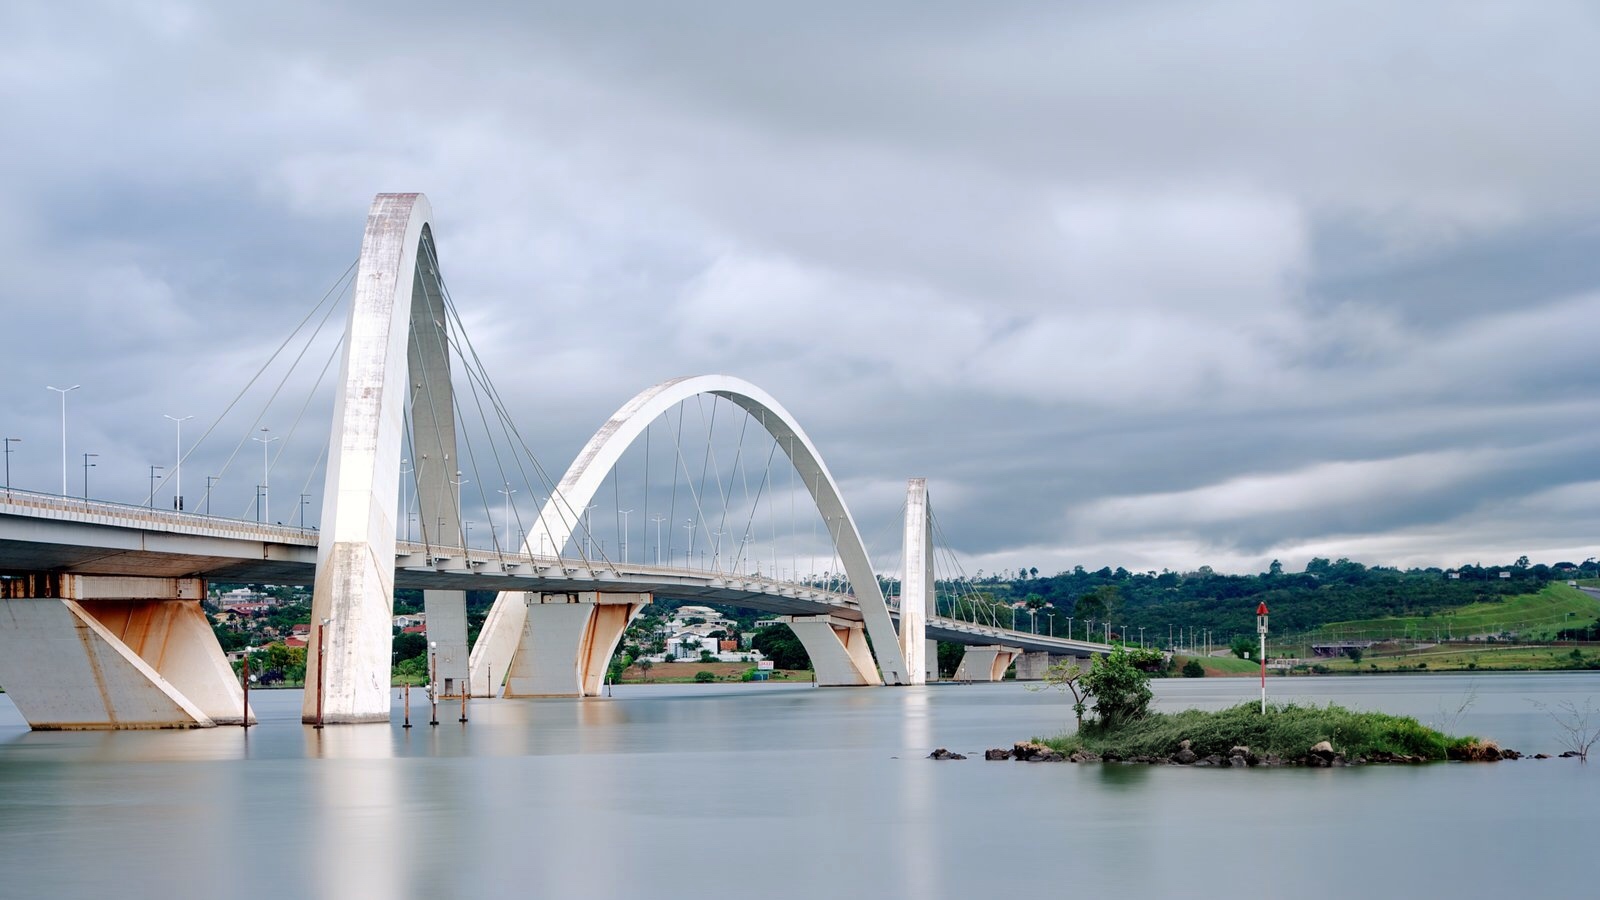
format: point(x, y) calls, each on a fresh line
point(1326, 591)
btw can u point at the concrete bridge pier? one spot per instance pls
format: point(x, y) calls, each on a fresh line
point(986, 663)
point(566, 643)
point(1032, 666)
point(113, 652)
point(838, 649)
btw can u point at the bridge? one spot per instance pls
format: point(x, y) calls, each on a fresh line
point(100, 623)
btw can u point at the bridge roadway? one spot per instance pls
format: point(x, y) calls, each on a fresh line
point(47, 532)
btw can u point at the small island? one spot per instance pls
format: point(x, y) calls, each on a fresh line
point(1122, 728)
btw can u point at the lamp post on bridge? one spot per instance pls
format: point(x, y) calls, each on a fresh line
point(210, 480)
point(658, 519)
point(9, 442)
point(177, 469)
point(86, 467)
point(458, 481)
point(588, 535)
point(624, 513)
point(688, 558)
point(406, 469)
point(63, 392)
point(265, 506)
point(154, 472)
point(508, 491)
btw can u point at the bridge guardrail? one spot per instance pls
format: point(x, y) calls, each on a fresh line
point(107, 512)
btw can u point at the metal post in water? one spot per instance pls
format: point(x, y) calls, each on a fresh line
point(246, 672)
point(322, 654)
point(433, 682)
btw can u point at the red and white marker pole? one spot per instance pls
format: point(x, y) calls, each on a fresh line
point(1261, 629)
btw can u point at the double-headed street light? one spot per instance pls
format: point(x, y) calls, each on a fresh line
point(63, 392)
point(265, 506)
point(177, 468)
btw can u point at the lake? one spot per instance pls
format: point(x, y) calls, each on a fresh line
point(790, 791)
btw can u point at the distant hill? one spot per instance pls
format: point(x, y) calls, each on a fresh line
point(1326, 592)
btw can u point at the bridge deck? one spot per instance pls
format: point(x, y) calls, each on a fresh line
point(46, 532)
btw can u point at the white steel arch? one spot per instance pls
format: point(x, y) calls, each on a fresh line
point(497, 642)
point(353, 598)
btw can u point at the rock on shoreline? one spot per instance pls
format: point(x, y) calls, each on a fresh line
point(1320, 755)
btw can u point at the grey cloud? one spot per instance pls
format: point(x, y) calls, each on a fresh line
point(1053, 257)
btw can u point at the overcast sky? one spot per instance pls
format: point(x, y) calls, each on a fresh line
point(1150, 284)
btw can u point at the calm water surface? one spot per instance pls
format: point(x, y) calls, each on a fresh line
point(788, 791)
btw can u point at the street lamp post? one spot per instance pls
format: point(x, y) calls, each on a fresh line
point(588, 535)
point(405, 494)
point(177, 470)
point(458, 481)
point(155, 472)
point(210, 480)
point(63, 392)
point(265, 506)
point(9, 442)
point(688, 525)
point(508, 491)
point(304, 500)
point(86, 467)
point(624, 513)
point(658, 519)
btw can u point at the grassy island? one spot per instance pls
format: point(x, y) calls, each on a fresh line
point(1286, 731)
point(1123, 727)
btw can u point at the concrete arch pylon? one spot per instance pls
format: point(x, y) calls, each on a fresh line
point(497, 643)
point(394, 339)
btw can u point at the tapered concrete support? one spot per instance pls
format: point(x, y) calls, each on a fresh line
point(447, 639)
point(567, 641)
point(986, 663)
point(103, 652)
point(917, 586)
point(393, 353)
point(838, 649)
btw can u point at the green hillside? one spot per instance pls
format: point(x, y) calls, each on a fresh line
point(1527, 616)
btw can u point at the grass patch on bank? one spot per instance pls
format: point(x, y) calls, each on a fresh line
point(1286, 730)
point(1222, 665)
point(1530, 616)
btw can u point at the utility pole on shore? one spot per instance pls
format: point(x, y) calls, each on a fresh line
point(1261, 629)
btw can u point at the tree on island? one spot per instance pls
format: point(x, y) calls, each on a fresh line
point(1116, 682)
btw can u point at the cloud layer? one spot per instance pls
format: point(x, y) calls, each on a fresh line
point(1147, 284)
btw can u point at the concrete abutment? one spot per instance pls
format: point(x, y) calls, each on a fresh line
point(112, 652)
